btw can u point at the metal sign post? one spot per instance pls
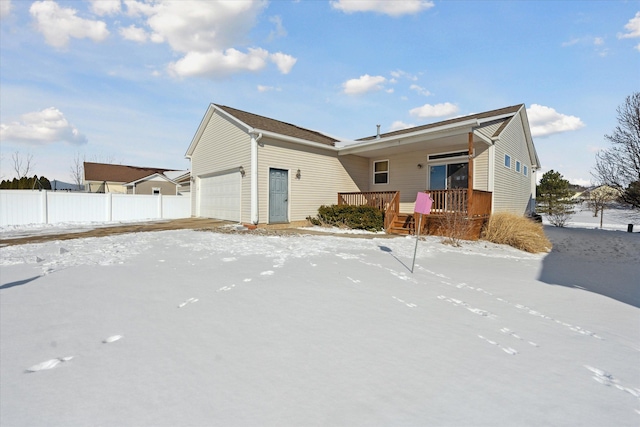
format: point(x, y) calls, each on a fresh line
point(423, 207)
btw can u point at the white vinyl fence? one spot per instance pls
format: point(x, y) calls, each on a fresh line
point(20, 207)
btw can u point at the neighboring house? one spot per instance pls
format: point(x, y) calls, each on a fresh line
point(253, 169)
point(108, 178)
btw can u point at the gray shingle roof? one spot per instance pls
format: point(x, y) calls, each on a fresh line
point(276, 126)
point(486, 114)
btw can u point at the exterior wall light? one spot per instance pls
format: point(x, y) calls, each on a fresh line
point(298, 175)
point(242, 172)
point(419, 165)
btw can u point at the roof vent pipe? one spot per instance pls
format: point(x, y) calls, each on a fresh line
point(378, 133)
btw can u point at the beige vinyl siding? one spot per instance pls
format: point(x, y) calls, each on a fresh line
point(512, 190)
point(404, 176)
point(109, 187)
point(489, 129)
point(322, 176)
point(481, 167)
point(223, 146)
point(146, 187)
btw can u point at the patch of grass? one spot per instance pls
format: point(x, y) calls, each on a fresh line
point(517, 231)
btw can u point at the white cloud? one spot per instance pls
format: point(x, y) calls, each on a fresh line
point(207, 36)
point(5, 8)
point(363, 84)
point(284, 62)
point(134, 33)
point(42, 127)
point(393, 8)
point(399, 125)
point(633, 30)
point(545, 121)
point(279, 31)
point(437, 110)
point(219, 64)
point(632, 27)
point(262, 88)
point(58, 24)
point(420, 90)
point(400, 74)
point(106, 7)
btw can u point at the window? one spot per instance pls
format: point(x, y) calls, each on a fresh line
point(448, 155)
point(518, 166)
point(381, 172)
point(449, 176)
point(156, 190)
point(525, 170)
point(507, 161)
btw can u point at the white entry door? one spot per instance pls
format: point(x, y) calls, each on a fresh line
point(219, 196)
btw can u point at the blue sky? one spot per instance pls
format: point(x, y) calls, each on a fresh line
point(129, 81)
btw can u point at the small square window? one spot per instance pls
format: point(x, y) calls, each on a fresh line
point(507, 161)
point(381, 172)
point(518, 166)
point(155, 190)
point(525, 170)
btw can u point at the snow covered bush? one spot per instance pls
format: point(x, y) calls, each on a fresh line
point(356, 217)
point(517, 231)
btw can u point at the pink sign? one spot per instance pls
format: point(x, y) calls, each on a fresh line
point(423, 203)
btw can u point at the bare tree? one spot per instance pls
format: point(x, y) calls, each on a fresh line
point(600, 198)
point(77, 170)
point(22, 164)
point(619, 165)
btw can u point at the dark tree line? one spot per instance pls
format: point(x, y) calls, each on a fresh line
point(24, 183)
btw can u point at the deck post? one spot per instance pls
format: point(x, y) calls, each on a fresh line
point(470, 177)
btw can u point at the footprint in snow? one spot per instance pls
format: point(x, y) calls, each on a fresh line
point(112, 338)
point(49, 364)
point(189, 301)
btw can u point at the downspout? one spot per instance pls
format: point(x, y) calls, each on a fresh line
point(254, 178)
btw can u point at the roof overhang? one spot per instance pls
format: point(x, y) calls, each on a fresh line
point(147, 178)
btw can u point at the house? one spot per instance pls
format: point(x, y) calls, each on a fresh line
point(253, 169)
point(109, 178)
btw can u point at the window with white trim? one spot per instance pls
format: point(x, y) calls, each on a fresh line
point(381, 172)
point(507, 161)
point(155, 190)
point(525, 170)
point(518, 166)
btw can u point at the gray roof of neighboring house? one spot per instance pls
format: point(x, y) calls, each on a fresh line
point(276, 126)
point(117, 173)
point(487, 114)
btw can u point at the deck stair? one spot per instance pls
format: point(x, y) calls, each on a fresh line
point(403, 224)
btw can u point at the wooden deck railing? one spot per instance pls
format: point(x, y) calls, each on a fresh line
point(480, 204)
point(458, 201)
point(387, 201)
point(392, 211)
point(377, 199)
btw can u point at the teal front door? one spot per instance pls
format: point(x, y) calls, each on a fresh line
point(278, 196)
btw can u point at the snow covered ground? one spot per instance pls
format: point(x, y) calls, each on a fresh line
point(197, 328)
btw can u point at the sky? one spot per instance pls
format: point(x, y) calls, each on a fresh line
point(129, 81)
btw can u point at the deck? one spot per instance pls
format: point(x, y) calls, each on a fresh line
point(469, 207)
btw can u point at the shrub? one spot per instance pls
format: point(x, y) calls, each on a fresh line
point(456, 227)
point(356, 217)
point(517, 231)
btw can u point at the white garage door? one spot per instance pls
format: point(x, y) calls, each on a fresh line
point(220, 196)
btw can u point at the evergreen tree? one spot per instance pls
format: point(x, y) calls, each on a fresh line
point(554, 198)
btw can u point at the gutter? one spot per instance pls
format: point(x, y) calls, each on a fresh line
point(389, 141)
point(255, 138)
